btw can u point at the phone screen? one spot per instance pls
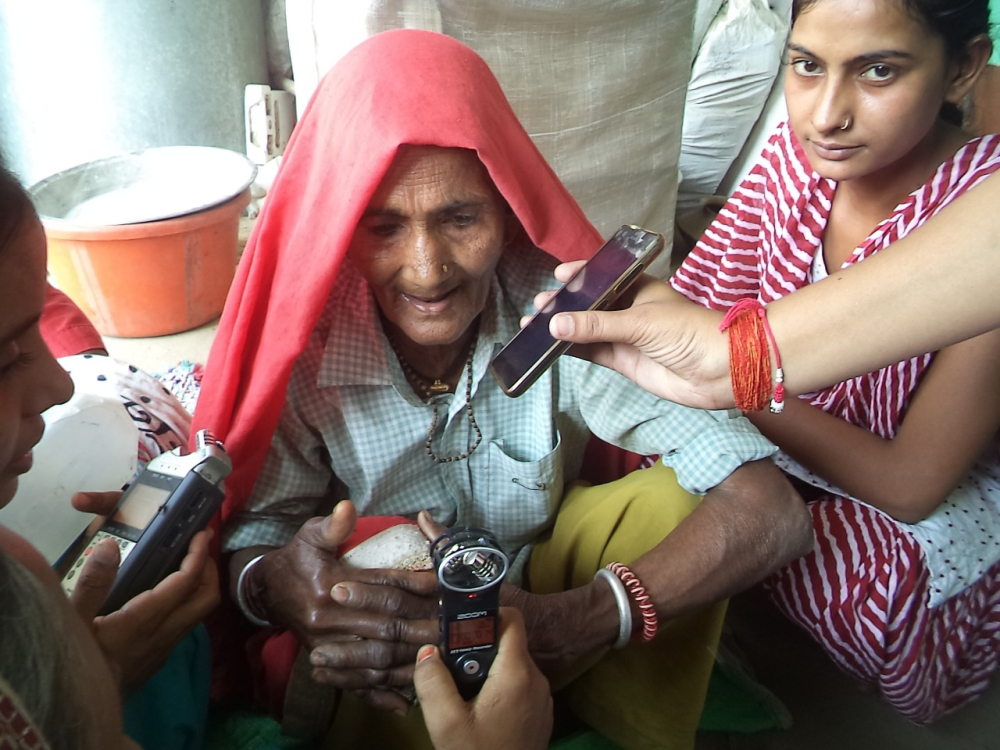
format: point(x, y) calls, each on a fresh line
point(618, 262)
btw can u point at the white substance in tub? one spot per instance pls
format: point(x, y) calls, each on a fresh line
point(135, 203)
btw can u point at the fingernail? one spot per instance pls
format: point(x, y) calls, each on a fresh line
point(341, 594)
point(425, 653)
point(562, 325)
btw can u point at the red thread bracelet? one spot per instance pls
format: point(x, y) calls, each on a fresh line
point(650, 622)
point(750, 336)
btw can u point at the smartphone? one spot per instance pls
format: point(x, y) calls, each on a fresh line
point(170, 501)
point(471, 568)
point(595, 286)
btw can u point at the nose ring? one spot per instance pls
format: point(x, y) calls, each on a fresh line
point(444, 268)
point(847, 123)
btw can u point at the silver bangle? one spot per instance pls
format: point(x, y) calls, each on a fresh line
point(624, 607)
point(242, 602)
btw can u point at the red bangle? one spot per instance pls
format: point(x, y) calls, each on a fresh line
point(650, 622)
point(750, 336)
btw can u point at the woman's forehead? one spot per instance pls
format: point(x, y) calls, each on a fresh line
point(411, 159)
point(871, 22)
point(451, 173)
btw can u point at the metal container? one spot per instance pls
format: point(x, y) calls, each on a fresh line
point(84, 79)
point(149, 185)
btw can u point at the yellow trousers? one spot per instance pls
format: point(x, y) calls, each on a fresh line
point(644, 696)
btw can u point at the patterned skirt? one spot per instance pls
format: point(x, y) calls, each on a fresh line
point(862, 593)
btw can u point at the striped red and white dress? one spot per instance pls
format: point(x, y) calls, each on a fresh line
point(915, 608)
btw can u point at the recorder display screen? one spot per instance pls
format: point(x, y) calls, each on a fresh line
point(141, 505)
point(477, 631)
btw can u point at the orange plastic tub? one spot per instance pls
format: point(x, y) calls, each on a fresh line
point(149, 279)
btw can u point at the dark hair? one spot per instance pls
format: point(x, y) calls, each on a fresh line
point(15, 206)
point(957, 22)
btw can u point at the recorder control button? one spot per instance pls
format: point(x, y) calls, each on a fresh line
point(470, 665)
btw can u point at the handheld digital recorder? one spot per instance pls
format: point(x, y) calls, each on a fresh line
point(169, 502)
point(470, 567)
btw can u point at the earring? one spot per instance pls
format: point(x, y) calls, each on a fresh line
point(847, 123)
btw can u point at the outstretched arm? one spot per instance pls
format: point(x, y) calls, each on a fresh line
point(951, 418)
point(932, 288)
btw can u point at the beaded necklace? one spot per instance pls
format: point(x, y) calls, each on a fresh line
point(436, 388)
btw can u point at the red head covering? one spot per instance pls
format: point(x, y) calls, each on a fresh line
point(399, 87)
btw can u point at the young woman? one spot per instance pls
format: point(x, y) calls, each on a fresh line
point(38, 682)
point(48, 656)
point(903, 588)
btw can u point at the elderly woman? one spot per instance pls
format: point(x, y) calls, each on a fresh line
point(409, 228)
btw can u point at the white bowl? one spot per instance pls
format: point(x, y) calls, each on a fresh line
point(149, 185)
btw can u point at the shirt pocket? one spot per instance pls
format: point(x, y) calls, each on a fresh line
point(523, 495)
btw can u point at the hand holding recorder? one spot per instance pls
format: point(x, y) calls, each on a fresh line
point(172, 583)
point(514, 708)
point(138, 638)
point(156, 518)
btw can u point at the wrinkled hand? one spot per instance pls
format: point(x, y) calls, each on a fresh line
point(362, 627)
point(513, 709)
point(138, 638)
point(663, 342)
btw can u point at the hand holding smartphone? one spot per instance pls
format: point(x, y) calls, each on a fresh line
point(595, 286)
